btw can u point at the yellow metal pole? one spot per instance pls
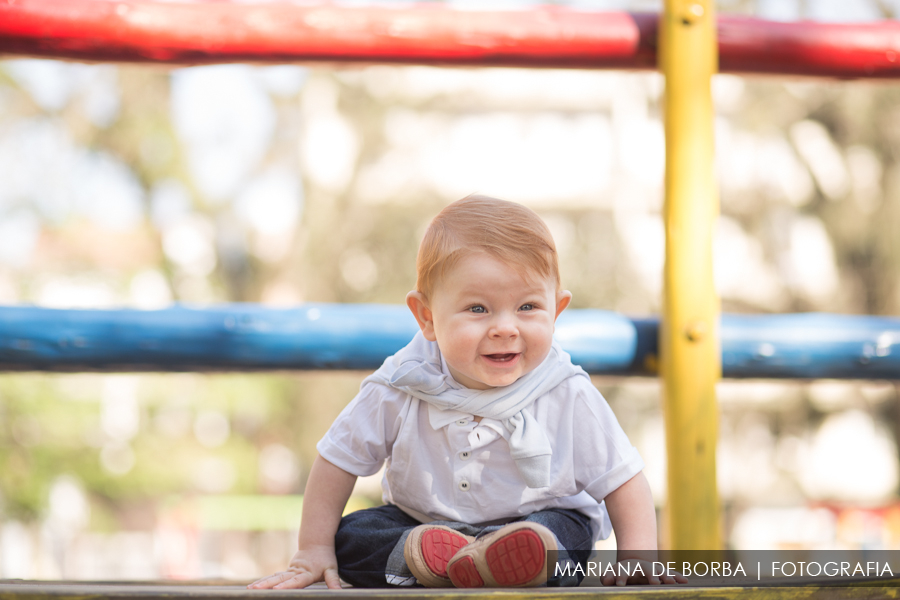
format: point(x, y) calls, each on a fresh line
point(690, 362)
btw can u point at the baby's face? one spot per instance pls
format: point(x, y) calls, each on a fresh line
point(492, 324)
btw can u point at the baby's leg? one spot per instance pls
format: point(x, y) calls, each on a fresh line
point(573, 532)
point(364, 542)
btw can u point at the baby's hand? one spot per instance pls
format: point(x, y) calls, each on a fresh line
point(648, 577)
point(308, 566)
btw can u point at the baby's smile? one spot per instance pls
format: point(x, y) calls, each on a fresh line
point(503, 358)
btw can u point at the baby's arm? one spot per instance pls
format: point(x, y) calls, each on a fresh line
point(327, 492)
point(633, 517)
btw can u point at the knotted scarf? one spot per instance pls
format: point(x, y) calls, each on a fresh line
point(416, 370)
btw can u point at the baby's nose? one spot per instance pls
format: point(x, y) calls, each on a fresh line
point(504, 326)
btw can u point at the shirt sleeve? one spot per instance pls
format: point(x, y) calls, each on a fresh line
point(604, 456)
point(363, 435)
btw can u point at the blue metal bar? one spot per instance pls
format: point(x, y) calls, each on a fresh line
point(811, 346)
point(247, 337)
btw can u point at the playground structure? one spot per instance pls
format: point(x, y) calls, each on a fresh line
point(143, 31)
point(245, 337)
point(691, 341)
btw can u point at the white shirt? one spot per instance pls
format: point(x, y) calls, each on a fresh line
point(458, 470)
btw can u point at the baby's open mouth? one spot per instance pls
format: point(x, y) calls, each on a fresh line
point(502, 357)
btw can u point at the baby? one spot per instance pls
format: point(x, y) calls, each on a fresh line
point(499, 451)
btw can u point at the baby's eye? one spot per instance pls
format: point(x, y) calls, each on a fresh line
point(478, 309)
point(527, 307)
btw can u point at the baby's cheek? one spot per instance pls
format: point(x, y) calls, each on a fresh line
point(537, 352)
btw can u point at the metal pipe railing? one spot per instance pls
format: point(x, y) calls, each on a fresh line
point(145, 31)
point(248, 337)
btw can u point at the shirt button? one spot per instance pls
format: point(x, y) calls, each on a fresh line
point(464, 485)
point(462, 422)
point(465, 455)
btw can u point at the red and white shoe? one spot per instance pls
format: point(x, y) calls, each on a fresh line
point(513, 556)
point(428, 550)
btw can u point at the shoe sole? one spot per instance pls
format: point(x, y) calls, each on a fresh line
point(464, 574)
point(517, 559)
point(436, 546)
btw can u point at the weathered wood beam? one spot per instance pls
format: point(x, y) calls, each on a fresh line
point(44, 590)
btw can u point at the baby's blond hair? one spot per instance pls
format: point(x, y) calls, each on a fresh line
point(508, 231)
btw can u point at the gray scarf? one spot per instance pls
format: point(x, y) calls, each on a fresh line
point(416, 370)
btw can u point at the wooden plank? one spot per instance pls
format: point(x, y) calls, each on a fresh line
point(33, 590)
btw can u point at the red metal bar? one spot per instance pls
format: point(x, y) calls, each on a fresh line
point(143, 31)
point(146, 31)
point(858, 50)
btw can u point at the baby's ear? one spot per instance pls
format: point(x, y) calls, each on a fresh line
point(563, 297)
point(418, 304)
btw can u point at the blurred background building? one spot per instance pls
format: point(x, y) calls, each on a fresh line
point(140, 186)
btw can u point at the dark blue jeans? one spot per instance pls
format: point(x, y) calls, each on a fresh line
point(366, 540)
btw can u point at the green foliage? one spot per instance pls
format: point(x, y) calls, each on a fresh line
point(52, 425)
